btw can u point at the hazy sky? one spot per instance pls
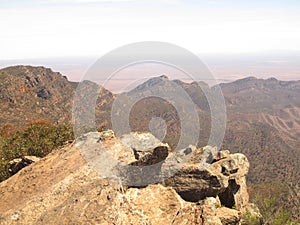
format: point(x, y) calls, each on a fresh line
point(52, 28)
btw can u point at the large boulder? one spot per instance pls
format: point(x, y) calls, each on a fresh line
point(224, 178)
point(139, 159)
point(142, 144)
point(127, 158)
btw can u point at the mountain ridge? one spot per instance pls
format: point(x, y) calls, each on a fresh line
point(263, 116)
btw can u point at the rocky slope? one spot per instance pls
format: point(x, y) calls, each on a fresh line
point(36, 93)
point(63, 189)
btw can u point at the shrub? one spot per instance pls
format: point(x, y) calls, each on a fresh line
point(38, 138)
point(273, 198)
point(249, 219)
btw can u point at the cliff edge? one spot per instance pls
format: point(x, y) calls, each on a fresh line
point(206, 187)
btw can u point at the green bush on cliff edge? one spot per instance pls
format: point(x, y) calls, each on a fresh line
point(38, 138)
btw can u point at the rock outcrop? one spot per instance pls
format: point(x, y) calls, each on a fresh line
point(17, 164)
point(225, 179)
point(63, 189)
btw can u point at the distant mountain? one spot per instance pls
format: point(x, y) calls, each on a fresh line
point(36, 93)
point(174, 102)
point(264, 123)
point(272, 102)
point(258, 95)
point(29, 93)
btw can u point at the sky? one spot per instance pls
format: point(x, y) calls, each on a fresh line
point(72, 28)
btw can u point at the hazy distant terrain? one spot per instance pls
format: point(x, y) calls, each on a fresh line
point(284, 65)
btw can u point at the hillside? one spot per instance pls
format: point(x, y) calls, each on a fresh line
point(31, 93)
point(271, 102)
point(263, 123)
point(36, 93)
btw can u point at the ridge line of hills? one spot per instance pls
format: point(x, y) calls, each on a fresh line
point(263, 115)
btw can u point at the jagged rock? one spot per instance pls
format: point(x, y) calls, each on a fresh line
point(63, 189)
point(221, 155)
point(108, 134)
point(209, 213)
point(124, 158)
point(146, 170)
point(184, 171)
point(17, 164)
point(72, 193)
point(142, 143)
point(232, 173)
point(44, 93)
point(228, 216)
point(105, 153)
point(193, 172)
point(150, 154)
point(154, 205)
point(225, 178)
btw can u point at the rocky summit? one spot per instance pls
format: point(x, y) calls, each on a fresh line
point(145, 182)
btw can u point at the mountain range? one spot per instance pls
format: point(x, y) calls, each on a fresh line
point(263, 116)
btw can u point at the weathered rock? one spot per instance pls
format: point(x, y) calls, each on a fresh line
point(225, 178)
point(135, 158)
point(147, 170)
point(63, 189)
point(221, 155)
point(149, 153)
point(17, 164)
point(84, 198)
point(104, 152)
point(232, 173)
point(108, 134)
point(142, 143)
point(195, 173)
point(209, 213)
point(228, 216)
